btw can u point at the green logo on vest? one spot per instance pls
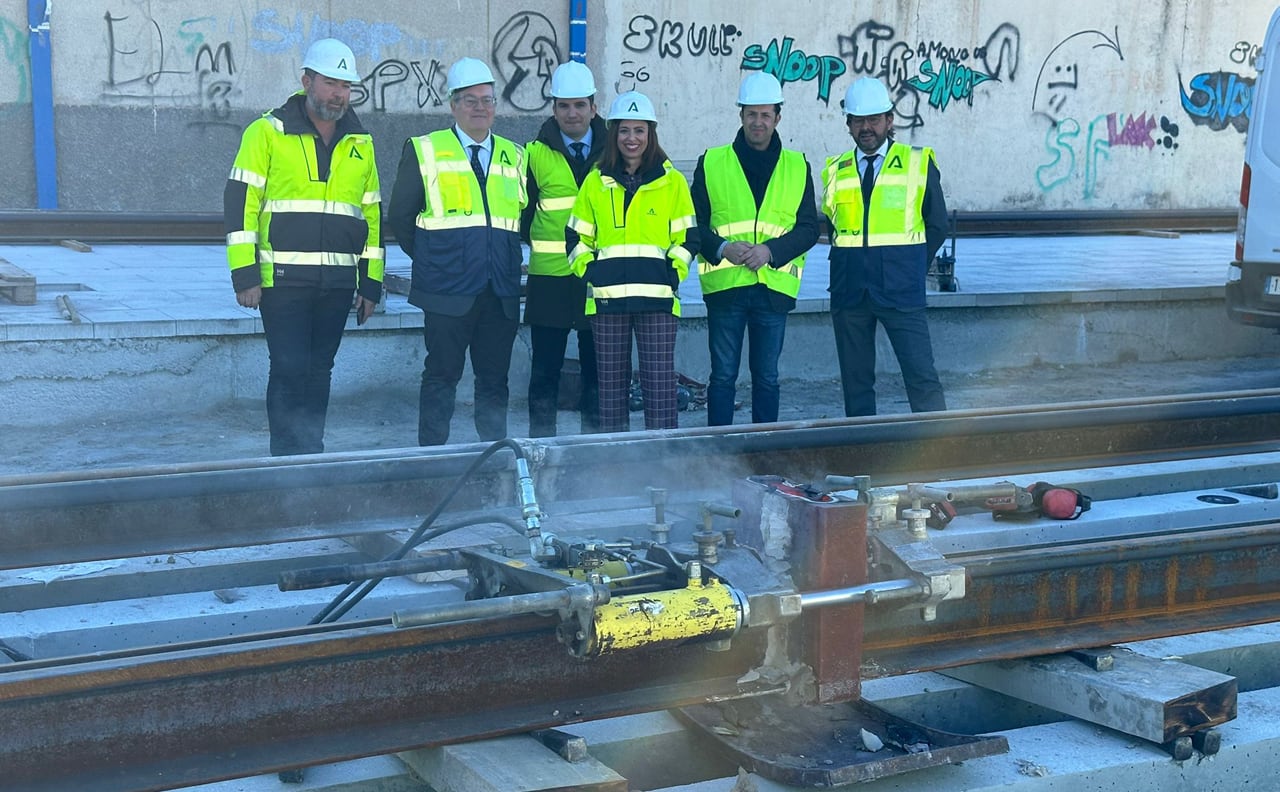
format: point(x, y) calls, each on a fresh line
point(504, 159)
point(652, 213)
point(355, 154)
point(896, 162)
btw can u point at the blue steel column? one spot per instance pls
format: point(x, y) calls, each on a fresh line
point(45, 149)
point(578, 30)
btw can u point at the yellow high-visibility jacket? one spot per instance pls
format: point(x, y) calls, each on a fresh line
point(298, 215)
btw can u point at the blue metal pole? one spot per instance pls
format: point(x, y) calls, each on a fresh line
point(46, 152)
point(578, 30)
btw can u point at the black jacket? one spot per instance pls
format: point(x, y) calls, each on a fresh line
point(758, 167)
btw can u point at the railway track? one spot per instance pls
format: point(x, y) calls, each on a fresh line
point(41, 227)
point(159, 717)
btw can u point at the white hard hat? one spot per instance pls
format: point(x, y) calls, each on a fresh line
point(572, 80)
point(867, 96)
point(332, 58)
point(759, 88)
point(632, 106)
point(466, 72)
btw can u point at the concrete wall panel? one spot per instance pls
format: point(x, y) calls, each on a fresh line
point(1088, 105)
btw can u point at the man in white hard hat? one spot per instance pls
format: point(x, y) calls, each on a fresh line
point(757, 220)
point(302, 213)
point(568, 144)
point(455, 210)
point(888, 218)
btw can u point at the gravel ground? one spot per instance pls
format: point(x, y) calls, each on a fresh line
point(240, 430)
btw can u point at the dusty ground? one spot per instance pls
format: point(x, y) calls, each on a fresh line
point(240, 430)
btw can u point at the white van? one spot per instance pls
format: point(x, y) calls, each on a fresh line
point(1253, 279)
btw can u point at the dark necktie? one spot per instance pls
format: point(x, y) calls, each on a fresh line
point(868, 177)
point(579, 152)
point(475, 161)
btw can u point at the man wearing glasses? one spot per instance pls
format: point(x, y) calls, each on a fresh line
point(455, 210)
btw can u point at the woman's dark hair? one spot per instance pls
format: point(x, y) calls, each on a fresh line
point(611, 158)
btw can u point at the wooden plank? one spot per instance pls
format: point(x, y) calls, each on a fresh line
point(509, 764)
point(1157, 700)
point(17, 284)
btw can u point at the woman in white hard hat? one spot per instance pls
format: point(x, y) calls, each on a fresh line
point(632, 236)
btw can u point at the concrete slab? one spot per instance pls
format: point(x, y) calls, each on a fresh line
point(36, 588)
point(509, 764)
point(124, 624)
point(1156, 700)
point(375, 774)
point(1075, 301)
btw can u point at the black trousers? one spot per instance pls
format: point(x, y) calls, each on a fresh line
point(488, 333)
point(303, 325)
point(549, 345)
point(908, 331)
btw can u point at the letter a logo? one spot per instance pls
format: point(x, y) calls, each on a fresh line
point(342, 64)
point(355, 154)
point(505, 159)
point(896, 162)
point(633, 108)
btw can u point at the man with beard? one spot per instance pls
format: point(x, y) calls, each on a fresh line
point(302, 212)
point(888, 218)
point(756, 215)
point(567, 146)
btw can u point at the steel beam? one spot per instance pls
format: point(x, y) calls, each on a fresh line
point(175, 717)
point(97, 515)
point(1043, 600)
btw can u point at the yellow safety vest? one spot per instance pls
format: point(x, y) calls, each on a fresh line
point(633, 260)
point(557, 190)
point(283, 211)
point(734, 217)
point(895, 216)
point(453, 197)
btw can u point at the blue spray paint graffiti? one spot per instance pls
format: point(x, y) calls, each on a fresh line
point(792, 65)
point(275, 34)
point(1219, 99)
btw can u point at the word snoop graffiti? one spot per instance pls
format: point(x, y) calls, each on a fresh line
point(950, 80)
point(792, 65)
point(1219, 99)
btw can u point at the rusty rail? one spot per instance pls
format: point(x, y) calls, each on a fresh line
point(166, 717)
point(109, 514)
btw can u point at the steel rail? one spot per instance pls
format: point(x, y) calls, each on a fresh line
point(89, 516)
point(174, 716)
point(43, 227)
point(183, 716)
point(1086, 594)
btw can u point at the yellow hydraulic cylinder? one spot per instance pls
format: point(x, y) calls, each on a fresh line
point(702, 611)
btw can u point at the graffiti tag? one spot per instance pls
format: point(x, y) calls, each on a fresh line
point(1218, 100)
point(792, 65)
point(675, 39)
point(952, 80)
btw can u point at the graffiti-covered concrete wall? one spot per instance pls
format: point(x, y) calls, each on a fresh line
point(1086, 105)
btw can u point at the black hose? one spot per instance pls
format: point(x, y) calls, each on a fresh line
point(349, 597)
